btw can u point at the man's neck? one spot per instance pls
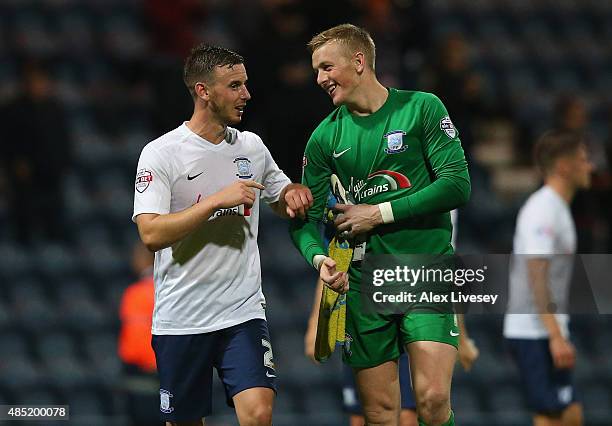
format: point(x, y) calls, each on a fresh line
point(206, 127)
point(561, 187)
point(371, 96)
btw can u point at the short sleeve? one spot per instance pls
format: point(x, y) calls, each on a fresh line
point(538, 232)
point(273, 179)
point(152, 185)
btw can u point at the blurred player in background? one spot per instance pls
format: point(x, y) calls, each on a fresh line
point(37, 154)
point(467, 355)
point(136, 312)
point(544, 244)
point(399, 155)
point(197, 205)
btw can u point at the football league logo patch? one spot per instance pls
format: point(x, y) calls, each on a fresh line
point(395, 142)
point(244, 168)
point(164, 401)
point(447, 126)
point(144, 178)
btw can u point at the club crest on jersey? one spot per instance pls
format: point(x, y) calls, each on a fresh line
point(144, 178)
point(164, 401)
point(395, 142)
point(447, 126)
point(244, 168)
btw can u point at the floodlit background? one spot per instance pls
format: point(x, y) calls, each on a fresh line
point(85, 84)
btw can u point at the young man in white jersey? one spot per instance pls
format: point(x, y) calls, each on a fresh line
point(540, 274)
point(197, 205)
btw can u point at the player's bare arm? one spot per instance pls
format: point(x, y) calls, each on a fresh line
point(295, 199)
point(311, 331)
point(562, 351)
point(336, 280)
point(468, 352)
point(160, 231)
point(357, 219)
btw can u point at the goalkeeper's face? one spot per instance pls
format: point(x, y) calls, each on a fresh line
point(337, 73)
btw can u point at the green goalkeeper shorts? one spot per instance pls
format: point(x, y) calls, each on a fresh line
point(372, 339)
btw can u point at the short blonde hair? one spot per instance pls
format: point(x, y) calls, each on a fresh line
point(349, 35)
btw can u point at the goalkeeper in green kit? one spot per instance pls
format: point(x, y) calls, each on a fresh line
point(398, 155)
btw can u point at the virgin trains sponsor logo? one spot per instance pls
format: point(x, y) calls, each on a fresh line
point(377, 183)
point(240, 210)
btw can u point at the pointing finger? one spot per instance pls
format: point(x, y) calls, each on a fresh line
point(253, 184)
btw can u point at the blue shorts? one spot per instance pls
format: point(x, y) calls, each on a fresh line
point(350, 397)
point(549, 390)
point(242, 355)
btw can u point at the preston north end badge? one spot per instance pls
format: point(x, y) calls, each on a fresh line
point(395, 142)
point(244, 168)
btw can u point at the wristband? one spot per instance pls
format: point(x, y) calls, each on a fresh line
point(317, 260)
point(386, 212)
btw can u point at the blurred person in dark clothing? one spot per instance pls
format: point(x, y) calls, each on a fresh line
point(291, 104)
point(136, 312)
point(457, 84)
point(171, 26)
point(572, 114)
point(37, 152)
point(606, 183)
point(402, 33)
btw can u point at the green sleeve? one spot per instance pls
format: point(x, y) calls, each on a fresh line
point(446, 162)
point(306, 234)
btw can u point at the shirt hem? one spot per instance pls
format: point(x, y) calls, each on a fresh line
point(202, 330)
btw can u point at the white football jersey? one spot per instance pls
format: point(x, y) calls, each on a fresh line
point(211, 279)
point(544, 229)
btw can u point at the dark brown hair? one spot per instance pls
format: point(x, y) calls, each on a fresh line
point(555, 144)
point(201, 62)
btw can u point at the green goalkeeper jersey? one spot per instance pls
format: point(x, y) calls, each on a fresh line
point(407, 153)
